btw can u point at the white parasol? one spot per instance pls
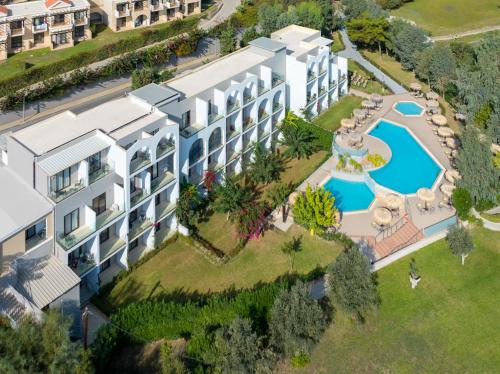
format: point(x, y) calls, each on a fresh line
point(382, 216)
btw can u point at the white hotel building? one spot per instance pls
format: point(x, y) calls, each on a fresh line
point(103, 183)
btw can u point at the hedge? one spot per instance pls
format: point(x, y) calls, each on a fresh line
point(148, 36)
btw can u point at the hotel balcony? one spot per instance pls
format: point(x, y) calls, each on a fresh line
point(39, 28)
point(311, 75)
point(232, 106)
point(122, 13)
point(139, 162)
point(276, 107)
point(277, 79)
point(138, 227)
point(263, 115)
point(214, 166)
point(16, 31)
point(107, 216)
point(82, 264)
point(248, 122)
point(58, 196)
point(36, 239)
point(110, 247)
point(164, 147)
point(322, 71)
point(161, 181)
point(214, 117)
point(139, 196)
point(322, 91)
point(68, 241)
point(231, 132)
point(247, 98)
point(262, 89)
point(80, 21)
point(164, 209)
point(190, 130)
point(100, 173)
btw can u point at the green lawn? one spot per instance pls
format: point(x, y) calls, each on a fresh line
point(373, 85)
point(338, 44)
point(491, 217)
point(181, 267)
point(473, 39)
point(448, 324)
point(45, 56)
point(330, 119)
point(443, 17)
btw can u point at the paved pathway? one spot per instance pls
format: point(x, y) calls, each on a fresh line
point(228, 8)
point(352, 53)
point(465, 33)
point(493, 226)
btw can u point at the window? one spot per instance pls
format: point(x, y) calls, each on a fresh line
point(61, 38)
point(103, 236)
point(58, 19)
point(16, 25)
point(154, 171)
point(79, 16)
point(79, 31)
point(209, 107)
point(39, 21)
point(38, 38)
point(16, 42)
point(157, 199)
point(99, 204)
point(186, 119)
point(30, 232)
point(138, 5)
point(71, 221)
point(132, 217)
point(106, 264)
point(94, 162)
point(133, 244)
point(62, 179)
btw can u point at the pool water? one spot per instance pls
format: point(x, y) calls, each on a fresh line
point(349, 195)
point(409, 108)
point(410, 167)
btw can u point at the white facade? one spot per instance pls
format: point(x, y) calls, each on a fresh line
point(112, 173)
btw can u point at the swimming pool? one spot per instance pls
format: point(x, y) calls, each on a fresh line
point(408, 108)
point(410, 167)
point(349, 195)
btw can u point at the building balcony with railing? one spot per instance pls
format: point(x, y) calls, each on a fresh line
point(139, 195)
point(277, 106)
point(247, 98)
point(164, 208)
point(138, 226)
point(81, 261)
point(248, 122)
point(42, 27)
point(164, 147)
point(63, 193)
point(140, 161)
point(214, 117)
point(262, 88)
point(263, 114)
point(110, 247)
point(276, 79)
point(100, 173)
point(192, 129)
point(311, 75)
point(108, 216)
point(161, 181)
point(75, 237)
point(232, 105)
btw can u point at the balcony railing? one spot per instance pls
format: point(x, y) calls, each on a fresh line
point(161, 181)
point(139, 226)
point(190, 130)
point(122, 13)
point(139, 162)
point(106, 217)
point(68, 241)
point(16, 31)
point(263, 115)
point(163, 209)
point(262, 89)
point(139, 196)
point(311, 99)
point(263, 133)
point(231, 133)
point(232, 106)
point(164, 147)
point(214, 166)
point(80, 265)
point(99, 173)
point(276, 107)
point(213, 117)
point(322, 91)
point(39, 28)
point(311, 76)
point(248, 122)
point(247, 98)
point(111, 246)
point(81, 21)
point(276, 79)
point(248, 145)
point(60, 195)
point(35, 240)
point(233, 155)
point(332, 84)
point(322, 71)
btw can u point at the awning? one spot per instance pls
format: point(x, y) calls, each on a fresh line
point(73, 154)
point(43, 280)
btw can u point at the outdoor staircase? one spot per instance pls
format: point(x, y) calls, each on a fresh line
point(10, 305)
point(407, 234)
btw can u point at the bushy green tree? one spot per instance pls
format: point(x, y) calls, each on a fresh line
point(437, 65)
point(240, 350)
point(297, 322)
point(188, 205)
point(144, 76)
point(227, 40)
point(351, 282)
point(362, 8)
point(268, 16)
point(265, 166)
point(41, 347)
point(406, 41)
point(299, 140)
point(462, 201)
point(460, 242)
point(369, 32)
point(315, 210)
point(231, 197)
point(278, 195)
point(249, 35)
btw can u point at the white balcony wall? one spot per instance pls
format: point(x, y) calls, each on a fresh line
point(89, 217)
point(201, 111)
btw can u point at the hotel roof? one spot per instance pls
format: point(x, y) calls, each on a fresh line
point(35, 8)
point(115, 118)
point(300, 40)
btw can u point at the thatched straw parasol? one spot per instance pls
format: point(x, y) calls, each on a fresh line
point(347, 123)
point(495, 148)
point(460, 117)
point(447, 189)
point(445, 132)
point(431, 95)
point(359, 113)
point(439, 119)
point(451, 143)
point(432, 104)
point(426, 195)
point(368, 104)
point(376, 98)
point(452, 175)
point(382, 216)
point(393, 201)
point(415, 86)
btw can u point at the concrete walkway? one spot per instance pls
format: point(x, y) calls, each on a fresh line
point(228, 8)
point(493, 226)
point(465, 33)
point(351, 53)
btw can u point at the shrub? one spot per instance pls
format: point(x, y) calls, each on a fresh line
point(375, 159)
point(143, 77)
point(301, 360)
point(462, 201)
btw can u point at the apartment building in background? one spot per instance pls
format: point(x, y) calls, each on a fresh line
point(122, 15)
point(106, 180)
point(43, 23)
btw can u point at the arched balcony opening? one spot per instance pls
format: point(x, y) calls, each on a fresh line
point(196, 152)
point(232, 102)
point(263, 109)
point(140, 159)
point(215, 140)
point(165, 145)
point(277, 104)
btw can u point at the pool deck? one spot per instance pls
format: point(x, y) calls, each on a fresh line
point(358, 225)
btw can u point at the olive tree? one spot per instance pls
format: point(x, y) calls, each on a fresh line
point(460, 242)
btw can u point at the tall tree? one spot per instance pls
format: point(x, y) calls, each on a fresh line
point(474, 161)
point(227, 40)
point(406, 41)
point(278, 196)
point(369, 32)
point(291, 247)
point(231, 197)
point(268, 16)
point(265, 166)
point(460, 242)
point(362, 8)
point(41, 347)
point(437, 65)
point(351, 282)
point(188, 205)
point(315, 210)
point(298, 139)
point(297, 321)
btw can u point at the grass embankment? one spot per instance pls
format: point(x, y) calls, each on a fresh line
point(330, 119)
point(491, 217)
point(372, 86)
point(393, 68)
point(443, 17)
point(338, 44)
point(447, 324)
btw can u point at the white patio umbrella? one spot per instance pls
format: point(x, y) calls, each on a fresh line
point(447, 189)
point(426, 195)
point(415, 86)
point(355, 137)
point(382, 216)
point(393, 201)
point(376, 98)
point(445, 132)
point(431, 95)
point(439, 119)
point(460, 117)
point(359, 113)
point(347, 123)
point(452, 175)
point(451, 143)
point(368, 104)
point(432, 104)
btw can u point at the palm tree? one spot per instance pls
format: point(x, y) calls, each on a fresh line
point(265, 166)
point(278, 195)
point(292, 247)
point(232, 197)
point(298, 139)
